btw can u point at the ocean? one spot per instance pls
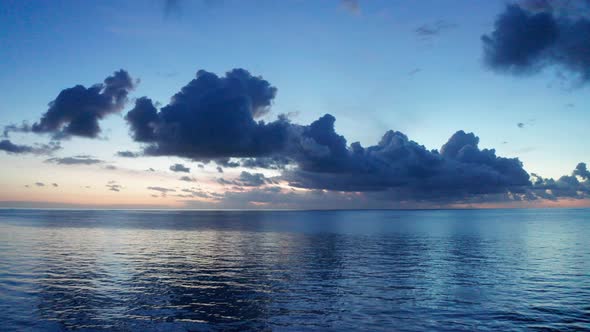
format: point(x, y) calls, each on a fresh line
point(423, 270)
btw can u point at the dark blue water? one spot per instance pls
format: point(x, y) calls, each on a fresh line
point(493, 270)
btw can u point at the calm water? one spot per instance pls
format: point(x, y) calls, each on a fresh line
point(495, 270)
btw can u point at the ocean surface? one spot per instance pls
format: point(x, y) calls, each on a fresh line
point(444, 270)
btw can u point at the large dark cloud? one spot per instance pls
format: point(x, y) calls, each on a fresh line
point(77, 111)
point(529, 38)
point(211, 118)
point(401, 166)
point(11, 148)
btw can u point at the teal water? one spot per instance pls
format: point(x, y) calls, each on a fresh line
point(445, 270)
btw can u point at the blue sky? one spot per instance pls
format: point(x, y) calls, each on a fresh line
point(367, 66)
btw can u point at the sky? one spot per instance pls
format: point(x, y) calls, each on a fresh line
point(223, 104)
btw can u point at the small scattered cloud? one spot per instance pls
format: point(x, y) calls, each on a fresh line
point(187, 179)
point(40, 184)
point(128, 154)
point(114, 186)
point(162, 190)
point(75, 160)
point(38, 149)
point(180, 168)
point(428, 31)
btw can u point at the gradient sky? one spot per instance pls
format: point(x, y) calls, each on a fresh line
point(412, 66)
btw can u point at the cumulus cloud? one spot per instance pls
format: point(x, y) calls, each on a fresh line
point(402, 167)
point(180, 168)
point(576, 186)
point(534, 35)
point(11, 148)
point(211, 117)
point(75, 160)
point(77, 111)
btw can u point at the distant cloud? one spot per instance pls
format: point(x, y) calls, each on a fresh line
point(427, 31)
point(40, 184)
point(351, 6)
point(39, 149)
point(414, 71)
point(114, 186)
point(538, 34)
point(55, 185)
point(180, 168)
point(128, 154)
point(75, 160)
point(219, 169)
point(163, 191)
point(188, 179)
point(110, 167)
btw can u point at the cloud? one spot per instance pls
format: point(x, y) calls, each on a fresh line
point(276, 162)
point(55, 185)
point(427, 31)
point(567, 186)
point(128, 154)
point(520, 125)
point(211, 118)
point(401, 167)
point(582, 171)
point(247, 179)
point(352, 6)
point(75, 160)
point(227, 162)
point(527, 39)
point(40, 184)
point(77, 111)
point(38, 149)
point(113, 186)
point(180, 168)
point(187, 179)
point(163, 191)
